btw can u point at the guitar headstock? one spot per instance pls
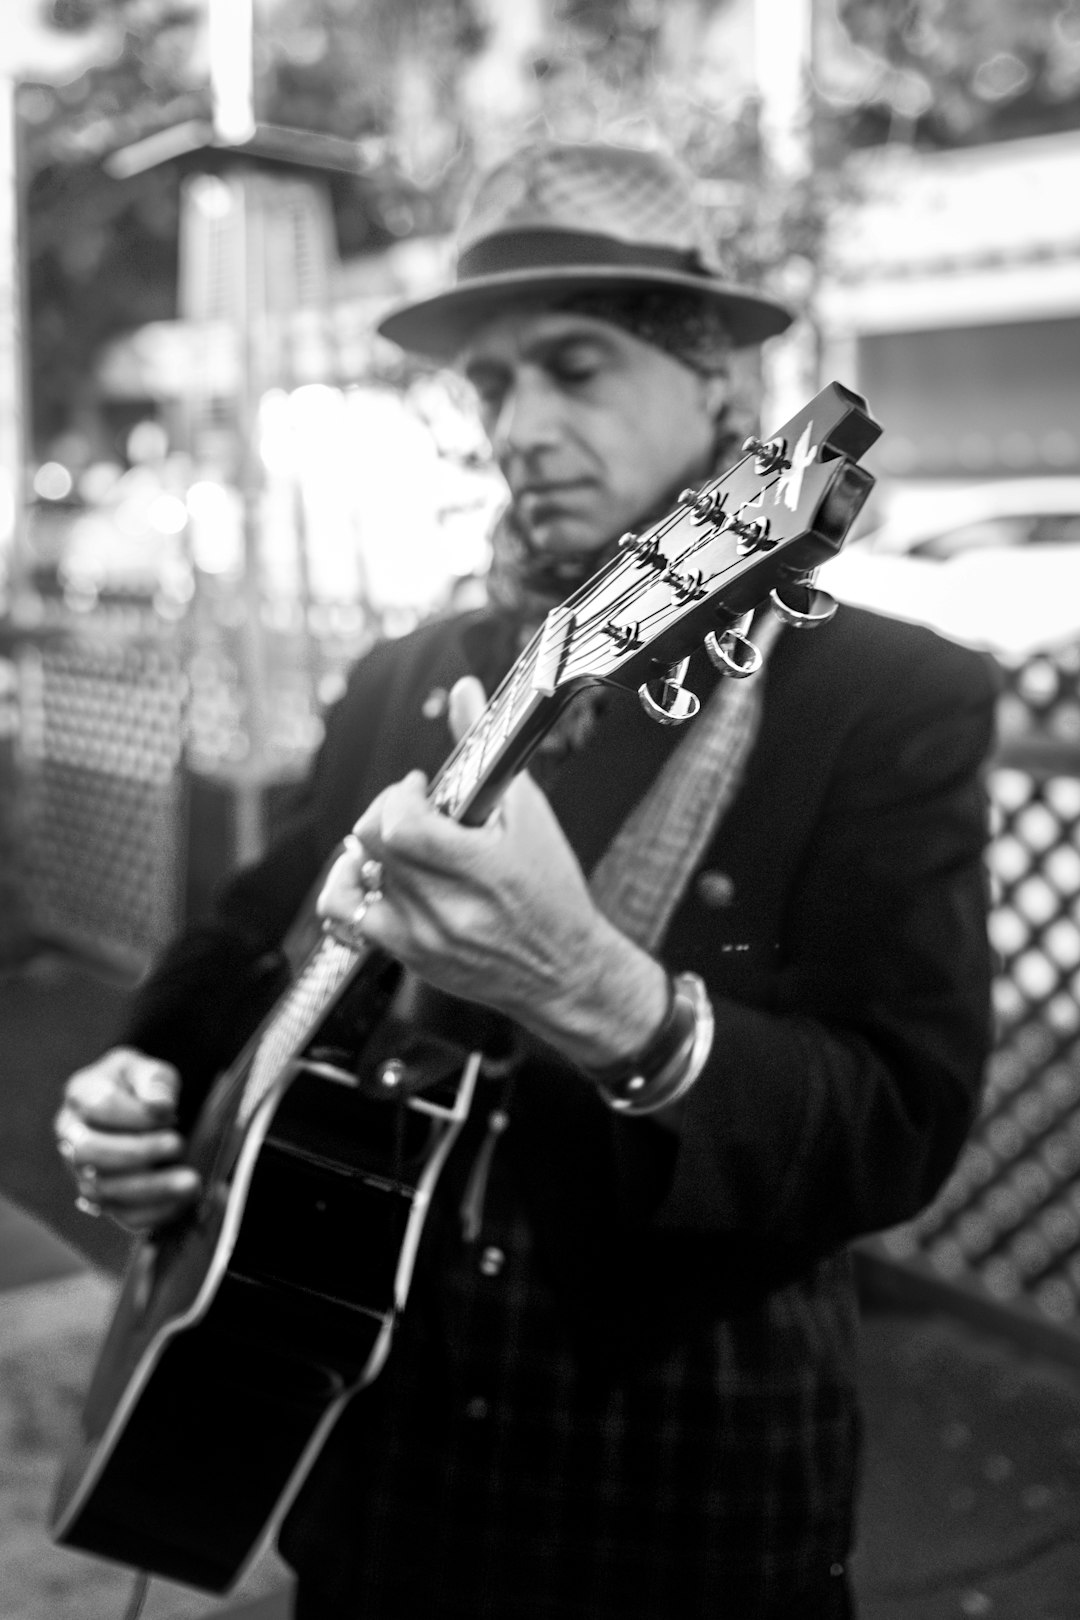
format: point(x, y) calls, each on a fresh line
point(785, 507)
point(761, 528)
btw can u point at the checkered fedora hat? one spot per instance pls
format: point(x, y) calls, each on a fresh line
point(557, 219)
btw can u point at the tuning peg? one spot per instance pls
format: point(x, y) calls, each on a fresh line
point(753, 535)
point(668, 701)
point(816, 607)
point(645, 549)
point(706, 505)
point(770, 455)
point(732, 653)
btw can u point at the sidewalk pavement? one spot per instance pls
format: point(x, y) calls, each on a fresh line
point(970, 1503)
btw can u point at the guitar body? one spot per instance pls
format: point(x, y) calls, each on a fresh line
point(242, 1330)
point(240, 1333)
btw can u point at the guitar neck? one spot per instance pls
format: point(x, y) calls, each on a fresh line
point(517, 717)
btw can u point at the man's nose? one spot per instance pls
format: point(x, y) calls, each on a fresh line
point(528, 420)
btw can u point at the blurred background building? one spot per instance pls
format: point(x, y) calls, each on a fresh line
point(225, 487)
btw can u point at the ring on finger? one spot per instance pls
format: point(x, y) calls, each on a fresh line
point(370, 875)
point(348, 930)
point(87, 1206)
point(371, 881)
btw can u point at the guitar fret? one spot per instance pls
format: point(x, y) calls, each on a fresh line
point(522, 678)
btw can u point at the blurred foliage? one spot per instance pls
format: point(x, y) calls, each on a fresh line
point(102, 252)
point(611, 70)
point(954, 72)
point(393, 76)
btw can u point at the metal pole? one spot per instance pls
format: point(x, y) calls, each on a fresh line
point(232, 69)
point(250, 311)
point(12, 365)
point(783, 55)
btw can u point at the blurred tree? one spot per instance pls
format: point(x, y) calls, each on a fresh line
point(641, 70)
point(392, 75)
point(953, 72)
point(101, 252)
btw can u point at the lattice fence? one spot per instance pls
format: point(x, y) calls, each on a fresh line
point(1004, 1235)
point(101, 838)
point(112, 729)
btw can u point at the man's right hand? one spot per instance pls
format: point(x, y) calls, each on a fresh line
point(116, 1132)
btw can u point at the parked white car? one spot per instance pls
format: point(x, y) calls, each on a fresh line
point(995, 565)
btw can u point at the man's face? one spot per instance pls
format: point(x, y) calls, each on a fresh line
point(593, 429)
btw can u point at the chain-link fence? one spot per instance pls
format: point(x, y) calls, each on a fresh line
point(97, 806)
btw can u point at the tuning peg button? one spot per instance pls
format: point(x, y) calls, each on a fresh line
point(733, 654)
point(817, 606)
point(667, 705)
point(668, 701)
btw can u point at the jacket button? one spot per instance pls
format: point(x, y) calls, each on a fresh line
point(492, 1261)
point(715, 889)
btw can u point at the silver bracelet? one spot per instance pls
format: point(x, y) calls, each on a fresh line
point(641, 1093)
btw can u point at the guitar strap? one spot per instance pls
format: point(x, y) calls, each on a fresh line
point(641, 877)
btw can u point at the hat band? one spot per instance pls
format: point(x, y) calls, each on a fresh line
point(568, 250)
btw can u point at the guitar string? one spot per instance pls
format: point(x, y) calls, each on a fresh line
point(590, 640)
point(713, 532)
point(620, 563)
point(321, 976)
point(506, 695)
point(453, 785)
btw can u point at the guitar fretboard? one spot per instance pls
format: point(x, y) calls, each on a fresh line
point(331, 964)
point(471, 762)
point(295, 1020)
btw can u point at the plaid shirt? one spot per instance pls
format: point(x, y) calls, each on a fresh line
point(502, 1466)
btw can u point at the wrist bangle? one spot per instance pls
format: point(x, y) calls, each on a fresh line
point(653, 1056)
point(665, 1071)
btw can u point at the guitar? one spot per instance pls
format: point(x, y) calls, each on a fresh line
point(242, 1328)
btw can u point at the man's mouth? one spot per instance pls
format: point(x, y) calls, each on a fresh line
point(539, 496)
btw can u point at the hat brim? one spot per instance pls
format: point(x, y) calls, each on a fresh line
point(439, 327)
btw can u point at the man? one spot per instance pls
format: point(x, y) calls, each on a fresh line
point(623, 1385)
